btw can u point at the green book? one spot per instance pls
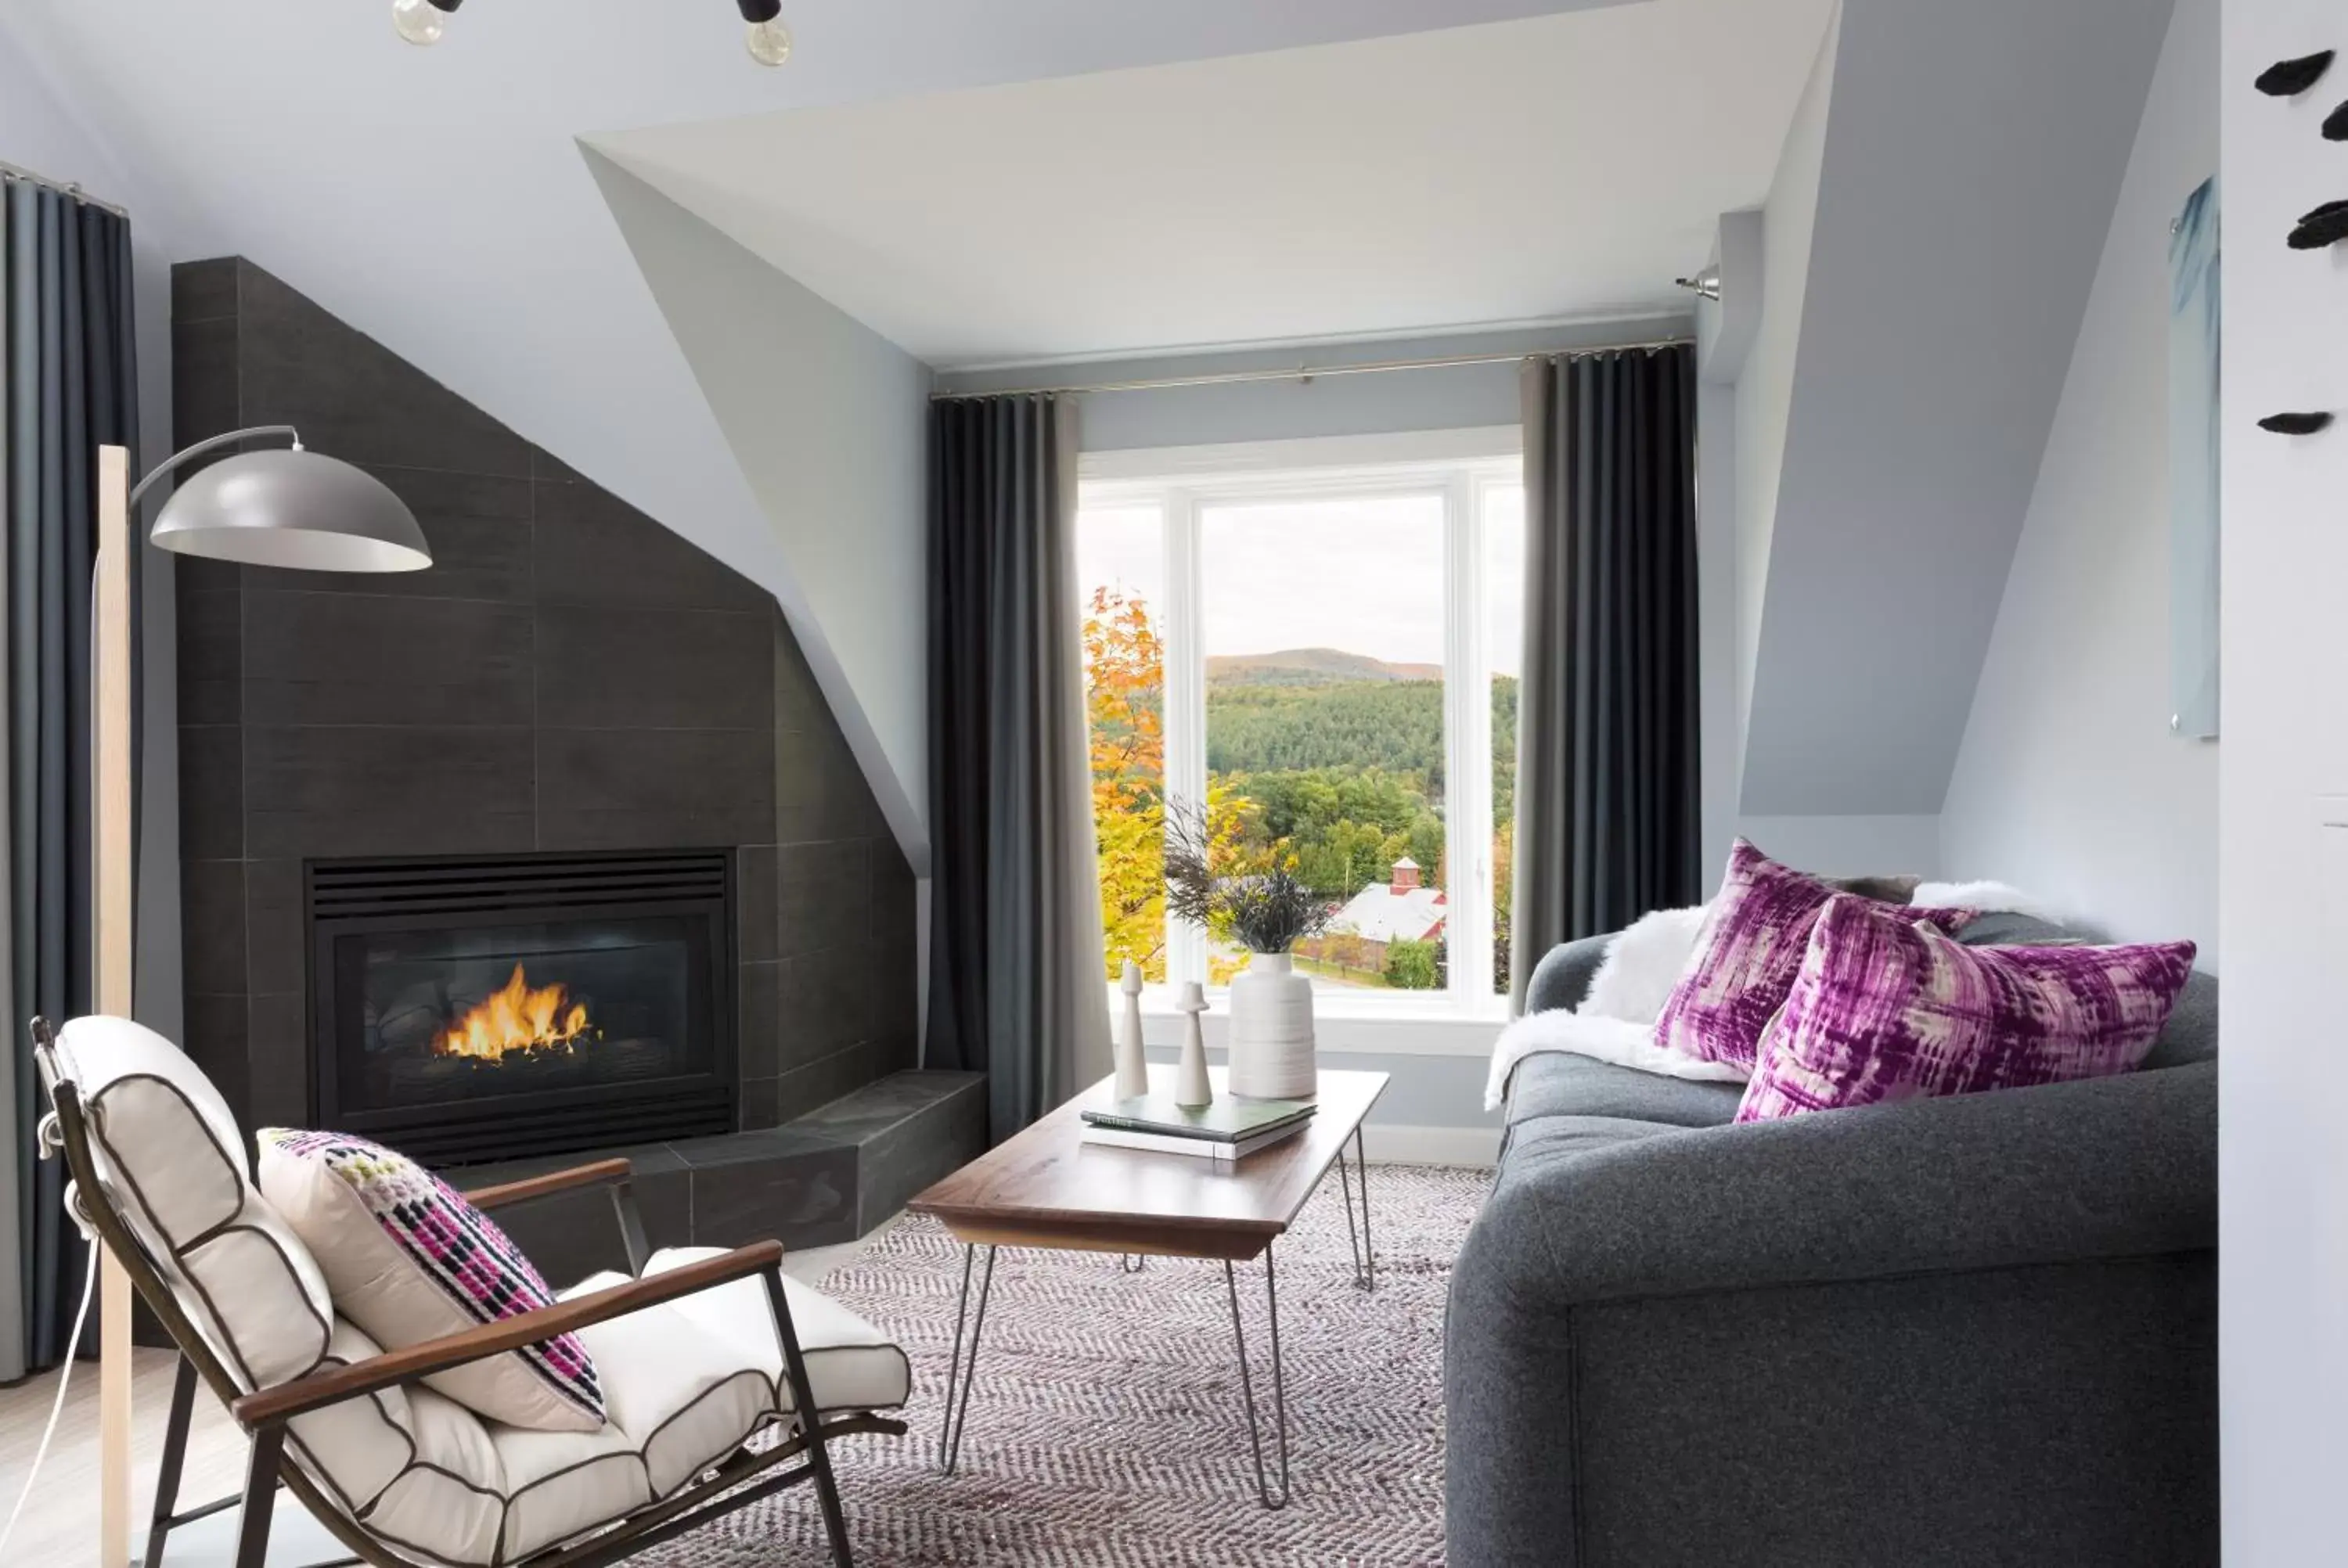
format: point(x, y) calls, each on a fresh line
point(1226, 1121)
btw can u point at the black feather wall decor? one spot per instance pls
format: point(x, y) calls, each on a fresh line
point(2296, 423)
point(2327, 225)
point(2289, 78)
point(2335, 125)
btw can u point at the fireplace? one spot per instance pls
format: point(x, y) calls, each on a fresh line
point(477, 1009)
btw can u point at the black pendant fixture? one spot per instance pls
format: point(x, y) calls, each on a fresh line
point(2296, 423)
point(2289, 78)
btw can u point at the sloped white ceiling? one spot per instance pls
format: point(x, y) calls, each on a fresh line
point(1552, 168)
point(436, 198)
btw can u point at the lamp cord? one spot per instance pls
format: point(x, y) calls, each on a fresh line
point(58, 1408)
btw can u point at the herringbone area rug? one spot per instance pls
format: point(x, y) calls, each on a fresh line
point(1106, 1425)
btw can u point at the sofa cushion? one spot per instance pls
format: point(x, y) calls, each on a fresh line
point(1884, 1010)
point(2190, 1034)
point(1559, 1084)
point(409, 1260)
point(1543, 1141)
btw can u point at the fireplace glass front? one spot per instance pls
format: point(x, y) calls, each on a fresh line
point(575, 1012)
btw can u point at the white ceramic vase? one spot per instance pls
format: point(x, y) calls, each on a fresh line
point(1272, 1030)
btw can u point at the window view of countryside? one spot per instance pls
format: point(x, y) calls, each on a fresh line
point(1327, 761)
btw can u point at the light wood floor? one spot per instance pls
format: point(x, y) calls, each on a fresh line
point(59, 1528)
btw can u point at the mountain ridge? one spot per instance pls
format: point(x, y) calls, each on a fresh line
point(1312, 667)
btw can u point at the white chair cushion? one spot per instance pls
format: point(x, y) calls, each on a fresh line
point(168, 1152)
point(684, 1383)
point(850, 1365)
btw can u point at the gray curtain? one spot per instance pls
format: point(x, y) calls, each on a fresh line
point(1608, 826)
point(68, 384)
point(1016, 975)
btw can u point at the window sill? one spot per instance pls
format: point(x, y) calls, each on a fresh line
point(1386, 1026)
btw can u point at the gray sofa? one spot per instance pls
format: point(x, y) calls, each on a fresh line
point(1979, 1330)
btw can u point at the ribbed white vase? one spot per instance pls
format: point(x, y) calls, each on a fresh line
point(1272, 1030)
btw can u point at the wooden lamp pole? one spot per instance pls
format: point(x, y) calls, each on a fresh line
point(293, 509)
point(114, 926)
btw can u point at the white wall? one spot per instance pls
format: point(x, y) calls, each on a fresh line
point(2069, 782)
point(2282, 792)
point(828, 422)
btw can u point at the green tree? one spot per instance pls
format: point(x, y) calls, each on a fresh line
point(1410, 965)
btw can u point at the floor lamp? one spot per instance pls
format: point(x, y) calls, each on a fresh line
point(276, 508)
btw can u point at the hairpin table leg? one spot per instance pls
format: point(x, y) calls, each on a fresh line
point(1366, 1259)
point(957, 1372)
point(1247, 1383)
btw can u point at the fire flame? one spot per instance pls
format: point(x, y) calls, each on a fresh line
point(517, 1018)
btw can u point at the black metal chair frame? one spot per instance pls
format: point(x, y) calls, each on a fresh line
point(745, 1477)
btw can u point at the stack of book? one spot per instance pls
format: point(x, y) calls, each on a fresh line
point(1227, 1130)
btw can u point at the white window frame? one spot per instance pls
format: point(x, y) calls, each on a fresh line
point(1460, 468)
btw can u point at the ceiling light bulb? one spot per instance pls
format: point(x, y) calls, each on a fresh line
point(420, 21)
point(770, 41)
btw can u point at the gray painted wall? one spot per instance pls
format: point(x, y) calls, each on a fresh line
point(570, 674)
point(1973, 155)
point(1765, 389)
point(37, 131)
point(828, 422)
point(2069, 782)
point(44, 131)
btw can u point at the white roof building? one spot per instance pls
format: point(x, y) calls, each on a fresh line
point(1401, 910)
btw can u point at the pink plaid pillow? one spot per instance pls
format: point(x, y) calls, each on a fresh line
point(1888, 1010)
point(409, 1260)
point(1748, 953)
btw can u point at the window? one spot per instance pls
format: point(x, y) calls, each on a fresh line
point(1315, 646)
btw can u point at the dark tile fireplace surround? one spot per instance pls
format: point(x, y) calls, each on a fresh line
point(406, 798)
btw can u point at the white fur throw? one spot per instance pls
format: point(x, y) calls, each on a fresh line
point(1616, 1020)
point(1987, 897)
point(1643, 965)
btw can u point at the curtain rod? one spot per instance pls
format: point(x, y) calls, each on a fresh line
point(65, 187)
point(1313, 373)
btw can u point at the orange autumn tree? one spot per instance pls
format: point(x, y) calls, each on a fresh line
point(1124, 698)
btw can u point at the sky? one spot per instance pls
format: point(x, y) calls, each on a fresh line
point(1363, 575)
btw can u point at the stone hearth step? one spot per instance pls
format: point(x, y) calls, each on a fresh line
point(829, 1176)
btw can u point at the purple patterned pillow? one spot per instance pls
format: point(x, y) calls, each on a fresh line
point(1748, 953)
point(407, 1259)
point(1888, 1010)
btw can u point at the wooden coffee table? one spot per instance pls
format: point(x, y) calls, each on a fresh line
point(1048, 1188)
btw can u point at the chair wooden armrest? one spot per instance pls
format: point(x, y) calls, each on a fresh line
point(602, 1172)
point(271, 1407)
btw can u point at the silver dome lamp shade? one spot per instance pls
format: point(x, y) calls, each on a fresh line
point(292, 507)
